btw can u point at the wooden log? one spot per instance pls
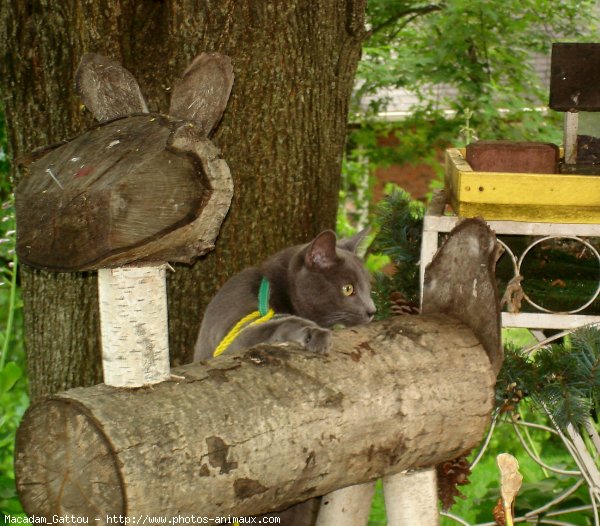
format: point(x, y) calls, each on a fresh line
point(460, 282)
point(261, 429)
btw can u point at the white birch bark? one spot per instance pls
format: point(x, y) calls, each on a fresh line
point(349, 506)
point(411, 498)
point(133, 318)
point(571, 125)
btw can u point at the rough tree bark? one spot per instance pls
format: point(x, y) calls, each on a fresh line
point(260, 429)
point(282, 136)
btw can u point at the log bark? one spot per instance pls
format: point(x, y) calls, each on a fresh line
point(282, 135)
point(460, 282)
point(262, 429)
point(144, 187)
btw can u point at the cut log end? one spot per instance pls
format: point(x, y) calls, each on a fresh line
point(70, 479)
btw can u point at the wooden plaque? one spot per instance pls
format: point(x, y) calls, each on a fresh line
point(575, 77)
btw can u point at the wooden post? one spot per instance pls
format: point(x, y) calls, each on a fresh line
point(459, 282)
point(571, 125)
point(411, 498)
point(350, 506)
point(133, 318)
point(574, 77)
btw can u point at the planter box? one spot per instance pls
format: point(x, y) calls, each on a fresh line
point(545, 198)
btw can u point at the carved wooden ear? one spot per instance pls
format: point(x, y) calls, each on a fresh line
point(352, 243)
point(107, 89)
point(321, 252)
point(202, 93)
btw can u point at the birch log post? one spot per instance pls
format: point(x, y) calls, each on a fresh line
point(129, 195)
point(134, 324)
point(350, 506)
point(411, 498)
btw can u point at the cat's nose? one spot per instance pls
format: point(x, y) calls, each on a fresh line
point(371, 313)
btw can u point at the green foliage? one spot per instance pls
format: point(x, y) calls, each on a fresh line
point(482, 494)
point(481, 48)
point(13, 385)
point(481, 52)
point(399, 220)
point(561, 379)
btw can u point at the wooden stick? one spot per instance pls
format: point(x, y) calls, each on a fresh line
point(571, 125)
point(133, 317)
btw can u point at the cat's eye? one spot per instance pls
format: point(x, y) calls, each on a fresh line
point(348, 289)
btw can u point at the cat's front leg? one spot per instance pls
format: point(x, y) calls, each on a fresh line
point(285, 329)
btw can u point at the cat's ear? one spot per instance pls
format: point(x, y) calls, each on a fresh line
point(352, 243)
point(202, 93)
point(321, 252)
point(107, 89)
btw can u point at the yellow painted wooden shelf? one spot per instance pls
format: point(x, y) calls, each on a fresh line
point(546, 198)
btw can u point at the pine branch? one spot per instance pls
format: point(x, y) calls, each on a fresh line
point(565, 378)
point(399, 220)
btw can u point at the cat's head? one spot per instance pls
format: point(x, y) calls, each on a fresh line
point(329, 283)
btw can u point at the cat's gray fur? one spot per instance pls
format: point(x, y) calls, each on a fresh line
point(285, 329)
point(306, 282)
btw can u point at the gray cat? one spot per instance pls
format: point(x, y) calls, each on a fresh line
point(319, 284)
point(311, 287)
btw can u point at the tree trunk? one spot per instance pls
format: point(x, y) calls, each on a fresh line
point(282, 136)
point(260, 429)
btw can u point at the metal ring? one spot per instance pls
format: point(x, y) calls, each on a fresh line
point(541, 240)
point(511, 254)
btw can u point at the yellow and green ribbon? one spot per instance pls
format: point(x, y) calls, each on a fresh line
point(263, 314)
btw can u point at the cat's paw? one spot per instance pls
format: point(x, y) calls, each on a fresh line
point(317, 339)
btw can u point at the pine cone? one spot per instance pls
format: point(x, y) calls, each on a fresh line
point(450, 475)
point(400, 305)
point(499, 515)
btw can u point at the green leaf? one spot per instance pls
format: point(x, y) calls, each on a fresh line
point(9, 376)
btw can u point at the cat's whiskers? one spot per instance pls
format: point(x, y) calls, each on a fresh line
point(345, 318)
